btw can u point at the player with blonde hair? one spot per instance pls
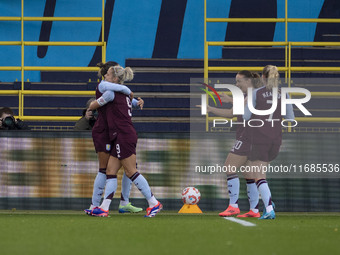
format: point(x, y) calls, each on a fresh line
point(266, 140)
point(123, 138)
point(105, 93)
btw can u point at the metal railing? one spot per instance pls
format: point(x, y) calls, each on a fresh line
point(22, 92)
point(288, 69)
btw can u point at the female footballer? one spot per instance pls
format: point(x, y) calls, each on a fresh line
point(105, 93)
point(266, 139)
point(123, 139)
point(237, 157)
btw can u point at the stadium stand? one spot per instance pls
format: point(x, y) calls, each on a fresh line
point(164, 84)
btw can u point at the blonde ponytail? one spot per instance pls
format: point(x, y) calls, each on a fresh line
point(123, 74)
point(271, 75)
point(128, 74)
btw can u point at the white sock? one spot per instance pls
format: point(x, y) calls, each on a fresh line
point(269, 208)
point(253, 195)
point(264, 190)
point(234, 189)
point(152, 201)
point(143, 185)
point(106, 204)
point(123, 203)
point(110, 189)
point(126, 188)
point(98, 187)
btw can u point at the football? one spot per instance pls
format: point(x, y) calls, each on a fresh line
point(191, 196)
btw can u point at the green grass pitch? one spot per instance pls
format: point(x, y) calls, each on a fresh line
point(65, 232)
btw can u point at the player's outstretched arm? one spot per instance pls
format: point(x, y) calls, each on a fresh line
point(226, 98)
point(109, 86)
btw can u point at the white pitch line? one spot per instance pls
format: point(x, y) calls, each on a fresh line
point(242, 222)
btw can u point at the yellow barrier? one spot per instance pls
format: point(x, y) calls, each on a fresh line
point(288, 58)
point(238, 43)
point(287, 68)
point(62, 19)
point(10, 18)
point(58, 92)
point(60, 68)
point(75, 118)
point(91, 93)
point(254, 43)
point(259, 68)
point(276, 20)
point(63, 43)
point(261, 20)
point(51, 18)
point(238, 68)
point(49, 68)
point(317, 119)
point(10, 43)
point(49, 118)
point(313, 94)
point(321, 94)
point(9, 92)
point(10, 68)
point(24, 68)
